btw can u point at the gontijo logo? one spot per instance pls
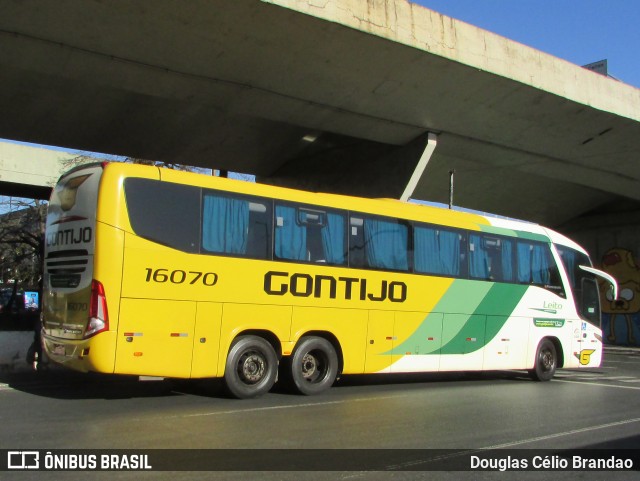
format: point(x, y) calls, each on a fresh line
point(305, 285)
point(585, 356)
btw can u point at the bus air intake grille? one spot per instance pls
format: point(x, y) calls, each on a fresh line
point(66, 267)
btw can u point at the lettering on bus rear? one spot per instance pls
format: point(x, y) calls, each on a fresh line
point(64, 237)
point(280, 283)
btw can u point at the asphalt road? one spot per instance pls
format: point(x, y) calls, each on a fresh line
point(455, 416)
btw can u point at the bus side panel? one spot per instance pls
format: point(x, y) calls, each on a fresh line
point(505, 350)
point(379, 342)
point(417, 342)
point(155, 337)
point(551, 317)
point(154, 271)
point(586, 348)
point(349, 326)
point(463, 337)
point(206, 340)
point(238, 318)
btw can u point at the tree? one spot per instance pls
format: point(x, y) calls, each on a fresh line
point(22, 226)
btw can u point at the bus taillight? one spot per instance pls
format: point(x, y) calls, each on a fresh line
point(98, 315)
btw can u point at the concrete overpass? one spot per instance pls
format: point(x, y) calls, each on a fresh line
point(31, 172)
point(334, 95)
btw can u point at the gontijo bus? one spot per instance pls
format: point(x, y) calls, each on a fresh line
point(156, 272)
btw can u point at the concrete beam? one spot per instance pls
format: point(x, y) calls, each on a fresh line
point(32, 172)
point(407, 23)
point(350, 166)
point(240, 85)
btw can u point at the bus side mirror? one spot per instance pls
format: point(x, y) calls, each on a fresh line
point(603, 275)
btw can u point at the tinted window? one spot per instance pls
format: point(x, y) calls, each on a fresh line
point(438, 251)
point(310, 234)
point(164, 212)
point(379, 243)
point(583, 284)
point(491, 258)
point(236, 225)
point(536, 266)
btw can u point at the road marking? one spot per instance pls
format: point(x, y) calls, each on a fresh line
point(289, 406)
point(565, 433)
point(587, 383)
point(595, 377)
point(469, 452)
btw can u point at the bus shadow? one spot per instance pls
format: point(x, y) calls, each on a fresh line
point(62, 384)
point(431, 378)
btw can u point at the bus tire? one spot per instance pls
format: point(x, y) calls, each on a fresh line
point(252, 367)
point(546, 361)
point(313, 366)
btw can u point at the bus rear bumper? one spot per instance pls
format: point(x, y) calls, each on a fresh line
point(95, 354)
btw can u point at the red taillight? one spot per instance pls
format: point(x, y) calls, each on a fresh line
point(98, 315)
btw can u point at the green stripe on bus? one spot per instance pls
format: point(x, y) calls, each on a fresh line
point(473, 301)
point(490, 229)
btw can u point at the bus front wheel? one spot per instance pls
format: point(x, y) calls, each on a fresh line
point(313, 366)
point(252, 367)
point(546, 361)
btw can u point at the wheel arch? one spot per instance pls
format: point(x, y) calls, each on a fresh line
point(559, 351)
point(268, 336)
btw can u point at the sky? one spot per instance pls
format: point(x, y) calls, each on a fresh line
point(580, 31)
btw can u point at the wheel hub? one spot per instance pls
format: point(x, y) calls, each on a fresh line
point(253, 368)
point(309, 366)
point(547, 360)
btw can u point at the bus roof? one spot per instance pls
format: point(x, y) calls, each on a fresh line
point(385, 207)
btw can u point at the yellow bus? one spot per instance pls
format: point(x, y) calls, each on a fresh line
point(157, 272)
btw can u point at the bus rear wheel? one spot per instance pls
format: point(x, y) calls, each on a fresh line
point(546, 361)
point(313, 366)
point(252, 367)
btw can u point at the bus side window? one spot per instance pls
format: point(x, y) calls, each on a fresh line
point(332, 239)
point(357, 257)
point(309, 234)
point(536, 266)
point(235, 225)
point(379, 243)
point(437, 251)
point(589, 302)
point(491, 258)
point(259, 238)
point(175, 223)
